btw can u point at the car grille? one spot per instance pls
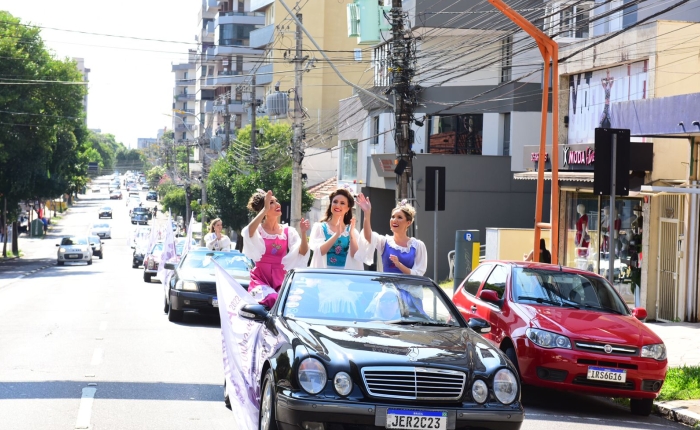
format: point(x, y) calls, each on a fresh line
point(582, 380)
point(417, 383)
point(599, 348)
point(603, 363)
point(207, 288)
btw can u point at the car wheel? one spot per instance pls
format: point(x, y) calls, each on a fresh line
point(510, 353)
point(146, 277)
point(173, 315)
point(102, 255)
point(268, 420)
point(60, 263)
point(134, 266)
point(166, 307)
point(227, 399)
point(641, 407)
point(90, 262)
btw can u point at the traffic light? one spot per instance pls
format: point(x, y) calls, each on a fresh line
point(366, 20)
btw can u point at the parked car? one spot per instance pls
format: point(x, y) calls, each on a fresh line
point(101, 229)
point(152, 195)
point(97, 246)
point(138, 255)
point(140, 215)
point(152, 259)
point(115, 195)
point(74, 248)
point(391, 348)
point(193, 286)
point(96, 188)
point(105, 212)
point(566, 329)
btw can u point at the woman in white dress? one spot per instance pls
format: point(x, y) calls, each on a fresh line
point(214, 239)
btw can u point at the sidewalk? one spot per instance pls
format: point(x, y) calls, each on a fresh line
point(683, 348)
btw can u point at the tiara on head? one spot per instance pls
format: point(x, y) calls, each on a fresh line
point(403, 202)
point(261, 191)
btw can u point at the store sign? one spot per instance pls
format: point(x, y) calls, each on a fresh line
point(585, 157)
point(535, 157)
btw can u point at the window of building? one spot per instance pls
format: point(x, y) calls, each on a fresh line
point(629, 13)
point(239, 63)
point(507, 59)
point(375, 131)
point(241, 6)
point(235, 34)
point(568, 21)
point(186, 75)
point(184, 106)
point(184, 135)
point(456, 134)
point(348, 160)
point(204, 71)
point(506, 133)
point(184, 91)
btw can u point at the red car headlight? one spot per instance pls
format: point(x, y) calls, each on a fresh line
point(547, 339)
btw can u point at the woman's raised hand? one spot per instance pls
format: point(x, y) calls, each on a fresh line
point(304, 226)
point(364, 203)
point(268, 200)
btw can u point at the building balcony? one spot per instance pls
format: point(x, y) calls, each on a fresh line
point(184, 97)
point(184, 127)
point(210, 5)
point(262, 37)
point(182, 66)
point(185, 82)
point(234, 107)
point(256, 5)
point(225, 50)
point(239, 18)
point(209, 106)
point(229, 78)
point(264, 75)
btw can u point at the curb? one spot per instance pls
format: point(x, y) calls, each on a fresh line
point(678, 411)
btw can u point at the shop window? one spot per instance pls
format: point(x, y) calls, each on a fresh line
point(348, 160)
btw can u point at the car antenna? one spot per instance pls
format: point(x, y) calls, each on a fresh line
point(561, 269)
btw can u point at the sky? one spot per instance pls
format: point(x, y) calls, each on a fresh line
point(131, 81)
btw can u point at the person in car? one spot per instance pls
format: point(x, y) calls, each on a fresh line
point(386, 306)
point(399, 252)
point(334, 240)
point(214, 239)
point(275, 248)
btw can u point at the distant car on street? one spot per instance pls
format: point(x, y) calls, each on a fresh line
point(115, 195)
point(152, 259)
point(96, 189)
point(74, 248)
point(97, 246)
point(152, 195)
point(105, 212)
point(566, 329)
point(101, 229)
point(140, 215)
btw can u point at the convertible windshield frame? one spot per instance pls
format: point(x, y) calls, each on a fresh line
point(220, 257)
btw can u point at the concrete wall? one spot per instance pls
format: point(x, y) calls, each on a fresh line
point(525, 130)
point(480, 193)
point(511, 243)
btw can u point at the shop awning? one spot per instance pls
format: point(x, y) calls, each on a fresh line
point(563, 176)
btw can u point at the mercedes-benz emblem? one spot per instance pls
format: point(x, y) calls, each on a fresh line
point(607, 349)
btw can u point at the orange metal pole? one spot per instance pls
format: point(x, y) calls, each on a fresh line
point(541, 163)
point(554, 53)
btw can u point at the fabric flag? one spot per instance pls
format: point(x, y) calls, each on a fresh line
point(245, 345)
point(188, 241)
point(153, 237)
point(169, 252)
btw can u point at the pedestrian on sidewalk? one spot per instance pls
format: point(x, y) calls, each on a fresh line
point(398, 252)
point(334, 240)
point(545, 255)
point(274, 247)
point(215, 240)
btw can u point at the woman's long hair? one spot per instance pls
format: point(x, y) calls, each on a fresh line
point(213, 223)
point(351, 203)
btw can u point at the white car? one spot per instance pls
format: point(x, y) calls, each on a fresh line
point(74, 248)
point(96, 189)
point(133, 202)
point(101, 229)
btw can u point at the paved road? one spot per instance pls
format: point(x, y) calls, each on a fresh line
point(90, 346)
point(73, 333)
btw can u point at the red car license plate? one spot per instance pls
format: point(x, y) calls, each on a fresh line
point(607, 374)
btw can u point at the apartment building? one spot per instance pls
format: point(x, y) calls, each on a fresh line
point(184, 119)
point(85, 72)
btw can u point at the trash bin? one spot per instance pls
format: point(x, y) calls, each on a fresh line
point(37, 228)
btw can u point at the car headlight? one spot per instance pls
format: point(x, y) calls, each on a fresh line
point(505, 386)
point(61, 250)
point(342, 383)
point(656, 351)
point(547, 339)
point(480, 391)
point(186, 285)
point(312, 375)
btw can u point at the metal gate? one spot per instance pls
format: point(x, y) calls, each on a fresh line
point(667, 271)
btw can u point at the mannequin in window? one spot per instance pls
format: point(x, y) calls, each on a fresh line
point(604, 224)
point(582, 239)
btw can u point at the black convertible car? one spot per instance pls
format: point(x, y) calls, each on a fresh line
point(360, 350)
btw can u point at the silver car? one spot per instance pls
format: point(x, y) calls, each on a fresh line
point(101, 229)
point(74, 248)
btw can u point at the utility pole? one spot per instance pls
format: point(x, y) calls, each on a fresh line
point(253, 130)
point(402, 71)
point(297, 150)
point(227, 120)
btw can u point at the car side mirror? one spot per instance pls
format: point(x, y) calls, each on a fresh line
point(479, 325)
point(257, 313)
point(133, 247)
point(640, 313)
point(490, 296)
point(102, 243)
point(169, 266)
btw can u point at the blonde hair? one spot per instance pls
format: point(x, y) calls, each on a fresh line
point(407, 209)
point(213, 223)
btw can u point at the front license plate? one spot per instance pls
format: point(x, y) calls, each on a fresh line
point(607, 374)
point(215, 302)
point(414, 420)
point(73, 255)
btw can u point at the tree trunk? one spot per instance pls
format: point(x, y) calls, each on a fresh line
point(15, 234)
point(4, 229)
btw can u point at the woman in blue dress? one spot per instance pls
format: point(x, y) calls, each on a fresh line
point(334, 240)
point(398, 252)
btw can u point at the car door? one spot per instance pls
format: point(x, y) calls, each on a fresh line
point(493, 312)
point(465, 296)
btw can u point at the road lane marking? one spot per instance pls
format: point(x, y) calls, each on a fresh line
point(103, 326)
point(97, 357)
point(85, 409)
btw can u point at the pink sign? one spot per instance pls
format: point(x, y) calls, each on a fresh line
point(584, 157)
point(535, 157)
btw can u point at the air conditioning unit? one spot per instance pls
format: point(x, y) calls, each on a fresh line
point(353, 20)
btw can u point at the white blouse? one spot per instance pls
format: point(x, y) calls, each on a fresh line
point(223, 244)
point(254, 247)
point(317, 239)
point(379, 242)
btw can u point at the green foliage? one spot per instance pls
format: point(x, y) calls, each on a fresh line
point(174, 200)
point(154, 175)
point(42, 129)
point(272, 143)
point(682, 383)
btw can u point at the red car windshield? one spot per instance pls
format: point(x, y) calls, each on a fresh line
point(550, 288)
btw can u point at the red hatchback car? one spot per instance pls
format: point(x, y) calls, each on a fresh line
point(566, 329)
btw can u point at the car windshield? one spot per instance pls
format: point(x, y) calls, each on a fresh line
point(227, 260)
point(100, 226)
point(140, 210)
point(94, 239)
point(106, 208)
point(389, 299)
point(550, 288)
point(72, 240)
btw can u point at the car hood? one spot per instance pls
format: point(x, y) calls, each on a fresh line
point(206, 275)
point(593, 326)
point(378, 344)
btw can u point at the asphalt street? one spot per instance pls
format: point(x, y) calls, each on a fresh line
point(90, 347)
